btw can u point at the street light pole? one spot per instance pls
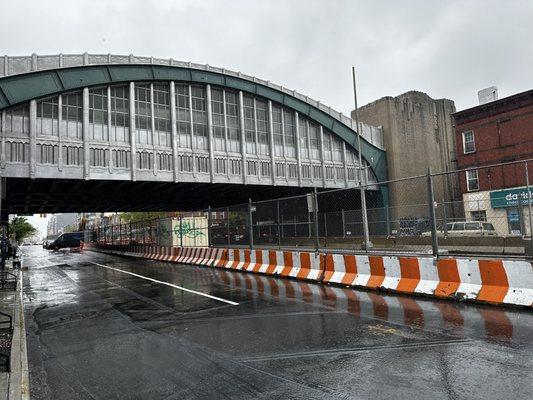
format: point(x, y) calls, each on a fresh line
point(367, 244)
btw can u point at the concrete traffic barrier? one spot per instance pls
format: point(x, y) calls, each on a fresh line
point(487, 281)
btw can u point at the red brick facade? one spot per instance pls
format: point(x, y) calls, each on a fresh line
point(503, 132)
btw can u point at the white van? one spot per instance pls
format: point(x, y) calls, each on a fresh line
point(466, 228)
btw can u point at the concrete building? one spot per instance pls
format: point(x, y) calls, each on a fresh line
point(497, 132)
point(417, 134)
point(61, 223)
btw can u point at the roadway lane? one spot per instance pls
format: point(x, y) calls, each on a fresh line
point(104, 327)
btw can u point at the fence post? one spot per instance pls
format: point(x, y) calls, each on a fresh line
point(343, 224)
point(315, 206)
point(444, 218)
point(208, 226)
point(431, 201)
point(227, 226)
point(250, 225)
point(279, 227)
point(387, 221)
point(529, 251)
point(181, 229)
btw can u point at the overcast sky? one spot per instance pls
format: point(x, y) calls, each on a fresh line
point(445, 48)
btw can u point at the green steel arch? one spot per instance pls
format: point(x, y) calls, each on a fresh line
point(21, 88)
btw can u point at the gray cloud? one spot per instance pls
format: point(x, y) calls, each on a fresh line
point(445, 48)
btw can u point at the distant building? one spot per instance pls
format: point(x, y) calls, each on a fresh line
point(500, 131)
point(417, 134)
point(61, 223)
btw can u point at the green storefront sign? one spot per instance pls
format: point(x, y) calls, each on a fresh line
point(510, 197)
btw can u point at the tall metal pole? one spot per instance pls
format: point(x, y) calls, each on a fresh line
point(366, 236)
point(209, 219)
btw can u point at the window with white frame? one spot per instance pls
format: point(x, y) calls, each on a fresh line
point(469, 145)
point(472, 182)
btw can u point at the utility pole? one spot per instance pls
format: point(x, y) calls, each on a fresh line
point(367, 244)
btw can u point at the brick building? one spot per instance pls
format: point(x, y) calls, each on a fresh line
point(497, 132)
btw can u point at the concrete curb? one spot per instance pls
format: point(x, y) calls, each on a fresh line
point(19, 384)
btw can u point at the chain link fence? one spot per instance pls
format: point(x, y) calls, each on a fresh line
point(415, 215)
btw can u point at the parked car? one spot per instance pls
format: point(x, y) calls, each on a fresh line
point(466, 228)
point(67, 240)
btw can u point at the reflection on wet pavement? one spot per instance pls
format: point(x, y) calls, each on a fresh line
point(95, 332)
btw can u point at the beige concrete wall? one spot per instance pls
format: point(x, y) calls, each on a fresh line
point(417, 134)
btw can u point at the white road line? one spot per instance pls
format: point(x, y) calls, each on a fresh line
point(168, 284)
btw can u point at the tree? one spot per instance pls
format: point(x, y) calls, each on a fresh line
point(19, 228)
point(141, 216)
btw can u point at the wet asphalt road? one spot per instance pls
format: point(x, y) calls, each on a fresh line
point(99, 333)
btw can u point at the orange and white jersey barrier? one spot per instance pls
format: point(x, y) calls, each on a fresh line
point(489, 281)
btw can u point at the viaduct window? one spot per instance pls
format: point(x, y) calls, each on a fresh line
point(120, 114)
point(183, 116)
point(72, 155)
point(249, 124)
point(263, 138)
point(289, 133)
point(277, 130)
point(304, 137)
point(162, 115)
point(199, 117)
point(217, 112)
point(72, 115)
point(98, 157)
point(17, 152)
point(98, 129)
point(232, 122)
point(17, 120)
point(314, 142)
point(48, 117)
point(143, 114)
point(47, 154)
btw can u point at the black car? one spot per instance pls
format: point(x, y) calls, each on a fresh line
point(71, 239)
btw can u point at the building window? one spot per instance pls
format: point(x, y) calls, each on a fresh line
point(232, 120)
point(183, 116)
point(480, 215)
point(252, 167)
point(469, 145)
point(120, 113)
point(293, 171)
point(72, 115)
point(48, 117)
point(472, 183)
point(220, 165)
point(18, 120)
point(98, 114)
point(162, 115)
point(261, 114)
point(144, 160)
point(199, 116)
point(143, 114)
point(329, 173)
point(164, 162)
point(306, 171)
point(72, 155)
point(97, 157)
point(249, 124)
point(186, 163)
point(235, 167)
point(265, 168)
point(317, 171)
point(280, 170)
point(17, 152)
point(217, 113)
point(121, 158)
point(47, 154)
point(202, 164)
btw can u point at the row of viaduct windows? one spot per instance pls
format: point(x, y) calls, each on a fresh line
point(109, 120)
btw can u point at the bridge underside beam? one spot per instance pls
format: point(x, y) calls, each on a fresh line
point(63, 195)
